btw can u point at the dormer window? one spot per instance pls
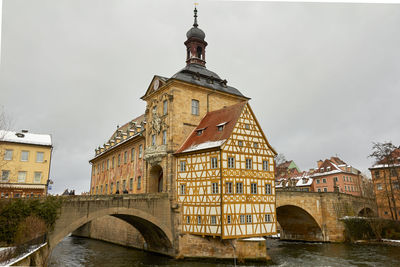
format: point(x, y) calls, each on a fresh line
point(200, 131)
point(328, 168)
point(255, 145)
point(247, 126)
point(221, 126)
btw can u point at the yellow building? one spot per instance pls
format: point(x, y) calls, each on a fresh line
point(214, 198)
point(25, 164)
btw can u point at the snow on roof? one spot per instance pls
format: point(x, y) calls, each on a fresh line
point(304, 182)
point(25, 138)
point(326, 173)
point(205, 145)
point(378, 166)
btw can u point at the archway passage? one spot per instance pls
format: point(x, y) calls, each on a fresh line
point(298, 224)
point(156, 179)
point(366, 212)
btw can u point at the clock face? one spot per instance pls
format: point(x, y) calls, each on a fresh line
point(156, 84)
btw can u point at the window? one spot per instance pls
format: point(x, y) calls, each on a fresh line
point(102, 167)
point(111, 188)
point(319, 189)
point(214, 163)
point(240, 143)
point(317, 181)
point(108, 164)
point(324, 180)
point(249, 164)
point(253, 188)
point(265, 165)
point(214, 188)
point(39, 156)
point(213, 219)
point(38, 177)
point(106, 190)
point(268, 189)
point(247, 126)
point(267, 217)
point(119, 159)
point(139, 182)
point(255, 145)
point(249, 218)
point(242, 219)
point(195, 107)
point(239, 188)
point(21, 177)
point(101, 189)
point(183, 189)
point(140, 151)
point(229, 219)
point(132, 154)
point(344, 178)
point(199, 132)
point(393, 172)
point(5, 176)
point(8, 154)
point(165, 107)
point(123, 184)
point(231, 162)
point(113, 161)
point(117, 186)
point(131, 184)
point(335, 179)
point(153, 140)
point(198, 219)
point(164, 137)
point(325, 189)
point(228, 188)
point(24, 155)
point(377, 174)
point(188, 219)
point(183, 166)
point(220, 128)
point(125, 157)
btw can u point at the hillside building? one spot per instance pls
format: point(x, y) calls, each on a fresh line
point(386, 183)
point(24, 164)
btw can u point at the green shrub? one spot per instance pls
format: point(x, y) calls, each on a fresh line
point(13, 214)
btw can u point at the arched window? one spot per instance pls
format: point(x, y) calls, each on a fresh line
point(199, 52)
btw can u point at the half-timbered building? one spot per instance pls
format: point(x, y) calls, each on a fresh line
point(200, 141)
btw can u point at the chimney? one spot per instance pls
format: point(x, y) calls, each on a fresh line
point(319, 163)
point(24, 131)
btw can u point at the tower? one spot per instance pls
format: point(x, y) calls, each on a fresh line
point(195, 44)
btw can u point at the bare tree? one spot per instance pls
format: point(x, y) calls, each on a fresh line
point(279, 159)
point(386, 154)
point(5, 124)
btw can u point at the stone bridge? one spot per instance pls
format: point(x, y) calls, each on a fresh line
point(151, 214)
point(315, 216)
point(308, 216)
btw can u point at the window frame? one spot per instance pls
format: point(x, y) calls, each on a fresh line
point(249, 164)
point(265, 165)
point(195, 107)
point(253, 188)
point(214, 163)
point(231, 162)
point(268, 189)
point(37, 156)
point(40, 177)
point(228, 188)
point(24, 152)
point(8, 152)
point(215, 188)
point(165, 107)
point(241, 188)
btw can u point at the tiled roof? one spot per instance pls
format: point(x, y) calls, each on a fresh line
point(210, 135)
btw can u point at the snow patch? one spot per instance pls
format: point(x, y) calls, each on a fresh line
point(205, 145)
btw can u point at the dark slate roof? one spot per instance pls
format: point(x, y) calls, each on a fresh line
point(197, 74)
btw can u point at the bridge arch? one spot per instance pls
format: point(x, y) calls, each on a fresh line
point(366, 212)
point(159, 237)
point(298, 224)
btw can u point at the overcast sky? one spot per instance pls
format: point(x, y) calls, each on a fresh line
point(324, 78)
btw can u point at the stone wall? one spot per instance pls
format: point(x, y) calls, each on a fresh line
point(112, 230)
point(192, 246)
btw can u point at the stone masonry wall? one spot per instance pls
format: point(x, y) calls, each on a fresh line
point(112, 230)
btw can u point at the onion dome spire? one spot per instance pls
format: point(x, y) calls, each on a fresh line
point(195, 44)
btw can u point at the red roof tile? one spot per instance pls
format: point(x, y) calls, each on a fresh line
point(210, 133)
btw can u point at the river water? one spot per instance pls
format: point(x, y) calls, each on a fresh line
point(76, 251)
